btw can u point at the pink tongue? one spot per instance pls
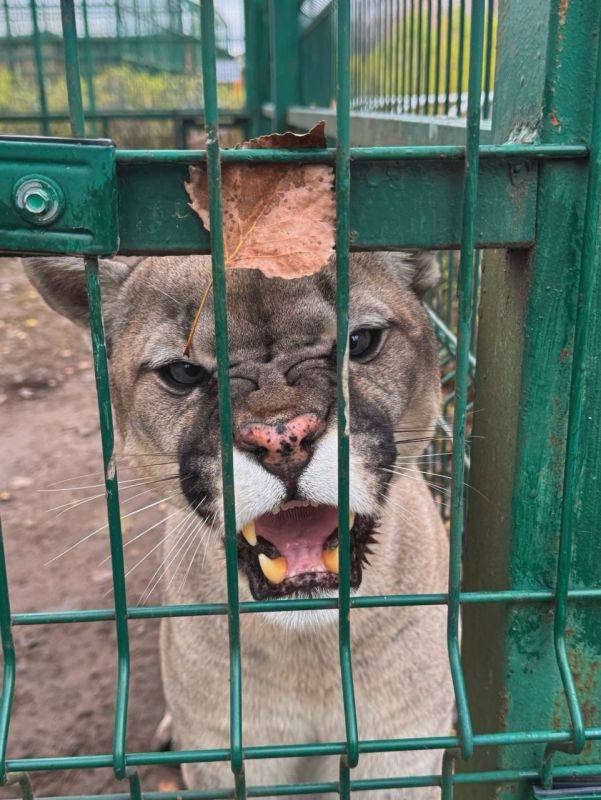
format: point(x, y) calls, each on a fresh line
point(299, 535)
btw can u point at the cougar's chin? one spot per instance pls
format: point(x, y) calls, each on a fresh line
point(293, 550)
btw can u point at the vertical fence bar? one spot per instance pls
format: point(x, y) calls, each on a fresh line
point(76, 115)
point(8, 661)
point(404, 59)
point(114, 516)
point(464, 324)
point(9, 38)
point(223, 387)
point(283, 16)
point(411, 51)
point(39, 69)
point(88, 62)
point(251, 78)
point(390, 38)
point(397, 56)
point(590, 263)
point(343, 178)
point(106, 420)
point(428, 58)
point(381, 102)
point(460, 57)
point(437, 64)
point(488, 65)
point(447, 99)
point(418, 90)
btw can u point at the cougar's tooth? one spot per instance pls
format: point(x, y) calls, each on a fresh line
point(351, 519)
point(330, 559)
point(249, 533)
point(274, 569)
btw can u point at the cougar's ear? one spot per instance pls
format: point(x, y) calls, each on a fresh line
point(418, 271)
point(61, 281)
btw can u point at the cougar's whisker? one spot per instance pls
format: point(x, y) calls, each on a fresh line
point(122, 466)
point(446, 478)
point(417, 478)
point(400, 510)
point(122, 481)
point(152, 527)
point(185, 523)
point(70, 504)
point(163, 567)
point(190, 541)
point(105, 526)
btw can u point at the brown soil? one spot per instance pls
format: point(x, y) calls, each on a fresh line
point(65, 682)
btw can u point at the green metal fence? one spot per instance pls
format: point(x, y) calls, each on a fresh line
point(524, 569)
point(140, 63)
point(407, 56)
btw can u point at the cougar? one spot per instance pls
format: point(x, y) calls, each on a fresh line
point(282, 353)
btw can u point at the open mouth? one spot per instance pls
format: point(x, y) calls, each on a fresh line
point(295, 549)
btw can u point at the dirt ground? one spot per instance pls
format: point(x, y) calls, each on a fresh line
point(65, 681)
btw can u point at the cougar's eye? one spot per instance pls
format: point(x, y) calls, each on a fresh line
point(364, 343)
point(181, 374)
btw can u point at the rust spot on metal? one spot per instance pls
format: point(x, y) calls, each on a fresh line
point(565, 355)
point(553, 119)
point(563, 9)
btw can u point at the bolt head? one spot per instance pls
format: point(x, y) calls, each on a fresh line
point(38, 199)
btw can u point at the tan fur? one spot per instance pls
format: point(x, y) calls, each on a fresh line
point(291, 684)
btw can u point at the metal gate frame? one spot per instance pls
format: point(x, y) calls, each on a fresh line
point(540, 457)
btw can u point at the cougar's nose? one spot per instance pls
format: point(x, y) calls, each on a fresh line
point(283, 447)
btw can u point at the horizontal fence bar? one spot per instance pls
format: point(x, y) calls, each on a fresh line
point(328, 155)
point(317, 604)
point(276, 751)
point(225, 117)
point(155, 217)
point(418, 185)
point(374, 784)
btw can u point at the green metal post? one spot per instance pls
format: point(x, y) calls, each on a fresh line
point(586, 308)
point(285, 79)
point(529, 303)
point(39, 69)
point(223, 387)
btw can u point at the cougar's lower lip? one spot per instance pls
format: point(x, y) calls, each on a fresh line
point(293, 548)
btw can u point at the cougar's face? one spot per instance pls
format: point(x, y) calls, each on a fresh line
point(282, 354)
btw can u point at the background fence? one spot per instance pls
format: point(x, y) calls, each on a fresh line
point(140, 67)
point(407, 56)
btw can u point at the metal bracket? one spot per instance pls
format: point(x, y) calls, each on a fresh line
point(585, 789)
point(58, 196)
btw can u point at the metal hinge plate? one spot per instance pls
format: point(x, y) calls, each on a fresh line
point(58, 196)
point(583, 789)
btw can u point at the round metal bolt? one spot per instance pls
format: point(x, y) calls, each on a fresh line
point(38, 199)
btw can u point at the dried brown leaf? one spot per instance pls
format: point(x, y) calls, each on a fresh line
point(278, 218)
